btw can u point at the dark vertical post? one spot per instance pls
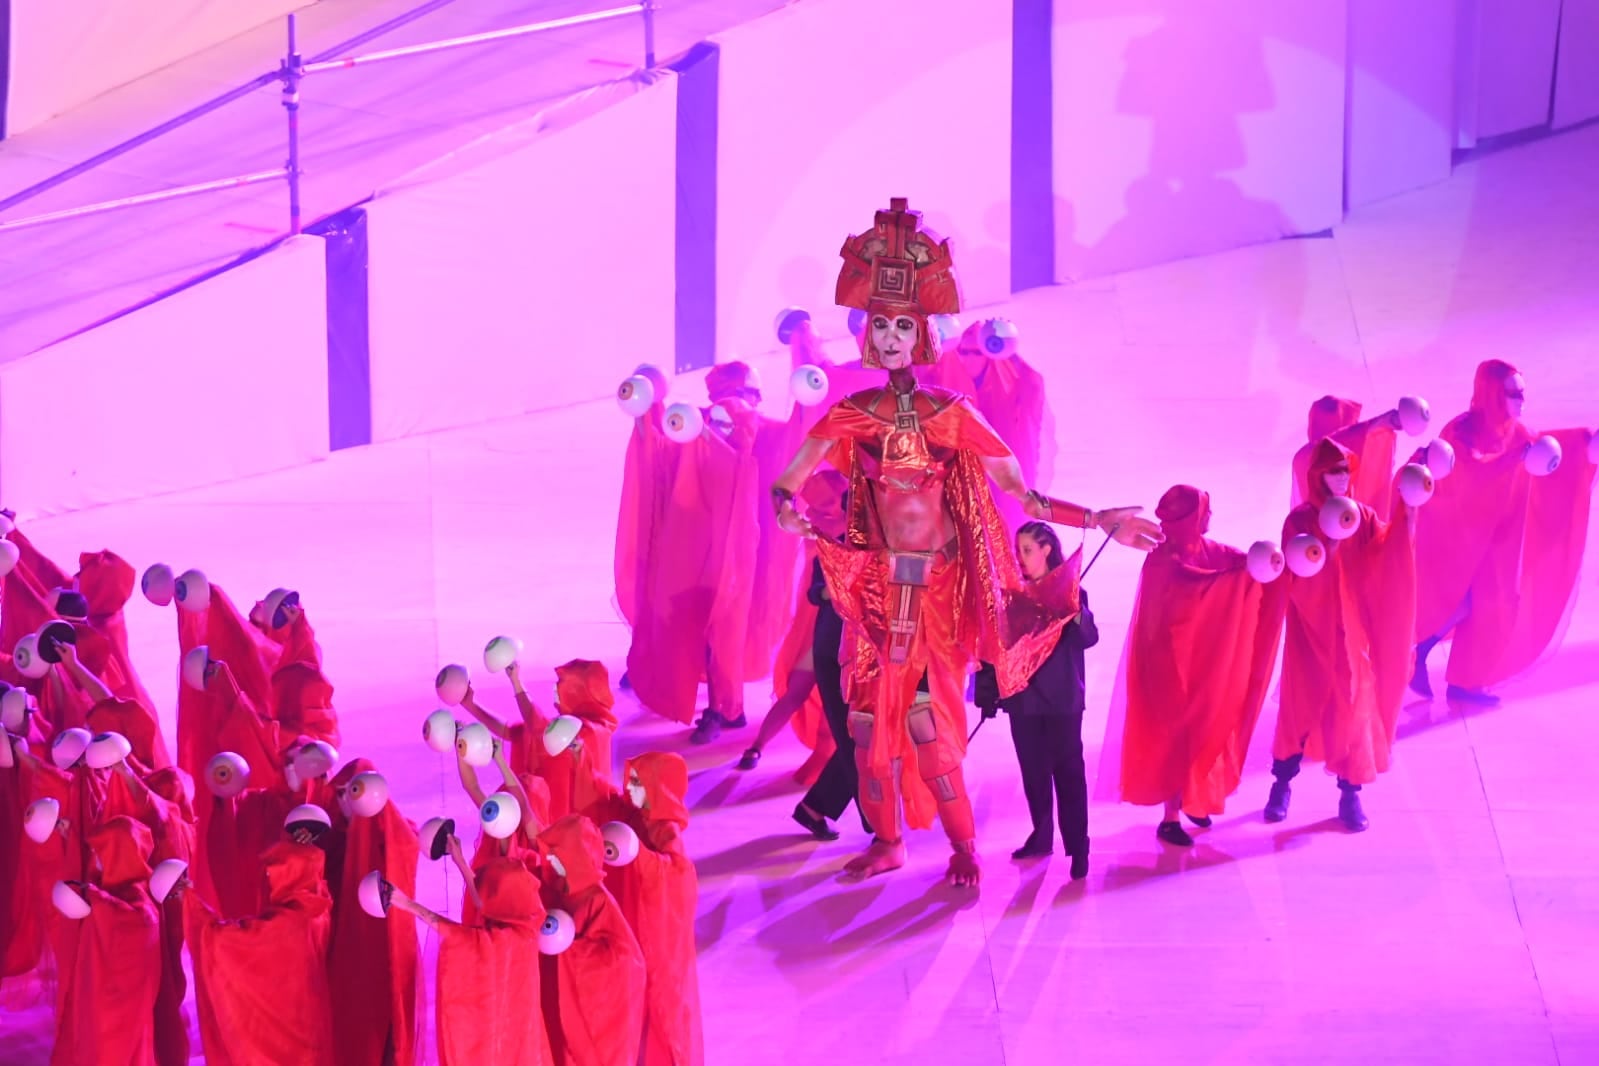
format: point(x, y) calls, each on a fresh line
point(649, 34)
point(1032, 146)
point(291, 104)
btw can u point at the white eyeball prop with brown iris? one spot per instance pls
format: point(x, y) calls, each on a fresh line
point(367, 794)
point(227, 774)
point(475, 744)
point(1543, 457)
point(1265, 561)
point(683, 423)
point(1415, 484)
point(1305, 556)
point(635, 396)
point(1339, 518)
point(621, 843)
point(439, 730)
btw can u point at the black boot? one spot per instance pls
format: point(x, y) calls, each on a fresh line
point(1173, 833)
point(1079, 856)
point(708, 729)
point(1037, 846)
point(1418, 677)
point(1284, 770)
point(1349, 810)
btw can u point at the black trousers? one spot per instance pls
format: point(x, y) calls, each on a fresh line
point(838, 782)
point(1050, 750)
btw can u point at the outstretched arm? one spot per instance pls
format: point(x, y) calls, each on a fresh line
point(791, 480)
point(468, 777)
point(466, 871)
point(86, 678)
point(488, 718)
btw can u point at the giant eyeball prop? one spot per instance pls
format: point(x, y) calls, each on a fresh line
point(1440, 459)
point(451, 684)
point(1414, 415)
point(68, 747)
point(557, 932)
point(434, 837)
point(438, 731)
point(373, 894)
point(227, 774)
point(1265, 561)
point(69, 604)
point(562, 733)
point(315, 760)
point(808, 384)
point(1339, 518)
point(683, 423)
point(1305, 555)
point(367, 794)
point(501, 815)
point(998, 338)
point(308, 818)
point(158, 584)
point(195, 662)
point(500, 653)
point(6, 524)
point(15, 706)
point(1543, 457)
point(636, 396)
point(621, 843)
point(52, 636)
point(66, 899)
point(10, 555)
point(1415, 484)
point(475, 744)
point(40, 819)
point(946, 328)
point(192, 591)
point(788, 320)
point(275, 608)
point(166, 874)
point(1593, 457)
point(106, 750)
point(26, 658)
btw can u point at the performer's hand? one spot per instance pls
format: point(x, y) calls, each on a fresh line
point(453, 845)
point(1036, 506)
point(1125, 527)
point(1394, 420)
point(791, 521)
point(990, 711)
point(514, 671)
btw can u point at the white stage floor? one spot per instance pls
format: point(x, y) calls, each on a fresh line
point(1462, 928)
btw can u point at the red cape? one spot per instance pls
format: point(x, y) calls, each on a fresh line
point(1373, 446)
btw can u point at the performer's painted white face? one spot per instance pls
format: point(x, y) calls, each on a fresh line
point(895, 339)
point(1337, 481)
point(1515, 395)
point(635, 792)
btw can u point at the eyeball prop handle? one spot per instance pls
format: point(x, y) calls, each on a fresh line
point(227, 774)
point(501, 815)
point(439, 730)
point(621, 843)
point(106, 751)
point(166, 874)
point(1305, 555)
point(192, 591)
point(374, 894)
point(1415, 484)
point(562, 733)
point(500, 653)
point(40, 819)
point(10, 556)
point(308, 818)
point(1543, 456)
point(1339, 518)
point(158, 584)
point(1265, 561)
point(195, 663)
point(69, 746)
point(451, 684)
point(434, 837)
point(683, 423)
point(809, 385)
point(66, 899)
point(26, 658)
point(635, 396)
point(788, 321)
point(475, 744)
point(52, 636)
point(557, 932)
point(7, 524)
point(367, 794)
point(1440, 459)
point(1414, 415)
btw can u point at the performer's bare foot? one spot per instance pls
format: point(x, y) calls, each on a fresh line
point(880, 858)
point(964, 870)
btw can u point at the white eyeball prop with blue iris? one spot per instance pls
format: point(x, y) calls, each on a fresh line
point(683, 423)
point(500, 653)
point(1305, 556)
point(998, 338)
point(66, 899)
point(1265, 561)
point(367, 794)
point(501, 815)
point(1543, 457)
point(561, 734)
point(439, 730)
point(166, 874)
point(192, 591)
point(68, 747)
point(1440, 458)
point(1339, 518)
point(475, 744)
point(636, 396)
point(1414, 415)
point(10, 556)
point(106, 750)
point(26, 658)
point(227, 774)
point(808, 384)
point(40, 819)
point(1415, 484)
point(621, 843)
point(158, 584)
point(451, 684)
point(373, 894)
point(557, 932)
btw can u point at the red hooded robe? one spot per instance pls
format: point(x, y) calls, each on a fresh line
point(1373, 446)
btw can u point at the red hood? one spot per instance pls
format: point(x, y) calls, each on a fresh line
point(1326, 456)
point(1488, 403)
point(583, 689)
point(1184, 514)
point(576, 842)
point(1330, 414)
point(106, 581)
point(295, 878)
point(510, 895)
point(664, 776)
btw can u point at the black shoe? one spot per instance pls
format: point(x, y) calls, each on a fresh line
point(1478, 696)
point(708, 729)
point(1349, 810)
point(1174, 833)
point(1277, 802)
point(1202, 821)
point(626, 684)
point(750, 760)
point(816, 827)
point(1418, 677)
point(1079, 861)
point(1036, 847)
point(735, 723)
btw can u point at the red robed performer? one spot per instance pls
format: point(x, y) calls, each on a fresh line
point(1199, 657)
point(593, 992)
point(1373, 443)
point(110, 981)
point(1500, 549)
point(264, 978)
point(1348, 649)
point(926, 563)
